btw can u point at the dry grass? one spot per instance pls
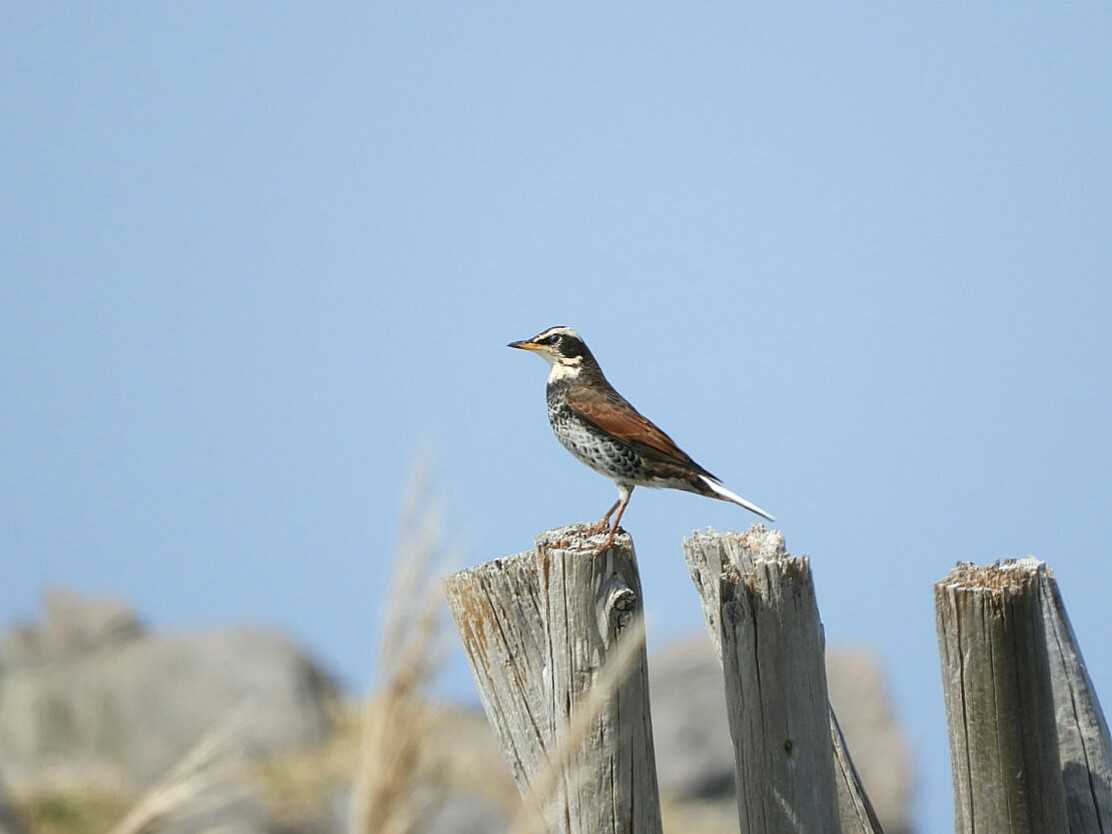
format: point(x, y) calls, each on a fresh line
point(295, 784)
point(208, 777)
point(388, 794)
point(89, 811)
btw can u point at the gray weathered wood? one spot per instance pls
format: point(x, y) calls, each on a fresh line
point(773, 660)
point(709, 555)
point(760, 608)
point(999, 701)
point(1084, 746)
point(537, 627)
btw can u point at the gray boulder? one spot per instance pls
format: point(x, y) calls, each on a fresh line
point(245, 815)
point(691, 735)
point(460, 811)
point(100, 702)
point(72, 626)
point(466, 814)
point(877, 742)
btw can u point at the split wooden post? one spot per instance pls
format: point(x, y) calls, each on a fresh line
point(793, 769)
point(1084, 745)
point(536, 628)
point(999, 700)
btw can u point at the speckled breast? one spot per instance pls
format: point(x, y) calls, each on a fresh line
point(603, 453)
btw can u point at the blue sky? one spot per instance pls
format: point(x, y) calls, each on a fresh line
point(854, 259)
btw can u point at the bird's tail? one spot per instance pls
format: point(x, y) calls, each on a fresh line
point(724, 494)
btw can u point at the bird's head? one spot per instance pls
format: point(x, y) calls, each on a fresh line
point(561, 348)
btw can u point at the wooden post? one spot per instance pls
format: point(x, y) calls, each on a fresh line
point(1084, 746)
point(999, 701)
point(536, 628)
point(760, 609)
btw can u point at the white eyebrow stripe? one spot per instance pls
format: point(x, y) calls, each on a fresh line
point(553, 331)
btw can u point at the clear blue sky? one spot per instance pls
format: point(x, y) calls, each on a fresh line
point(854, 258)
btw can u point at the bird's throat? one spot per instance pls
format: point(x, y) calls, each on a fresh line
point(565, 370)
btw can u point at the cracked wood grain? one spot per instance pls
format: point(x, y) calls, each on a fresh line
point(793, 770)
point(536, 629)
point(999, 700)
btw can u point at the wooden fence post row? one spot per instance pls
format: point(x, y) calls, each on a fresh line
point(1030, 747)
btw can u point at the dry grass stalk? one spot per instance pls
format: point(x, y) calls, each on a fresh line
point(209, 776)
point(530, 814)
point(387, 795)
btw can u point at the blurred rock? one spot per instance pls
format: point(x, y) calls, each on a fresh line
point(691, 733)
point(73, 625)
point(459, 812)
point(466, 814)
point(121, 710)
point(694, 756)
point(877, 743)
point(244, 816)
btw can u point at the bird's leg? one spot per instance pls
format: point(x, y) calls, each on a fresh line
point(623, 501)
point(604, 522)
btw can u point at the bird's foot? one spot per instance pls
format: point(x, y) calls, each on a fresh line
point(609, 541)
point(599, 526)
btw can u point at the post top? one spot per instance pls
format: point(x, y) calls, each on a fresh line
point(1002, 576)
point(580, 537)
point(758, 542)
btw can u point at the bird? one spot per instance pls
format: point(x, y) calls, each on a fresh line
point(600, 428)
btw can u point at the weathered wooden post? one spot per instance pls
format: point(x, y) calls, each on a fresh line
point(1084, 746)
point(794, 772)
point(999, 700)
point(537, 628)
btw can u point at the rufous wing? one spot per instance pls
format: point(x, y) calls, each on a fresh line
point(609, 411)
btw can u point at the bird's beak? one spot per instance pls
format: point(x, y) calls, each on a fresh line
point(524, 344)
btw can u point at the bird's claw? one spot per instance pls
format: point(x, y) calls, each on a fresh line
point(606, 545)
point(598, 526)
